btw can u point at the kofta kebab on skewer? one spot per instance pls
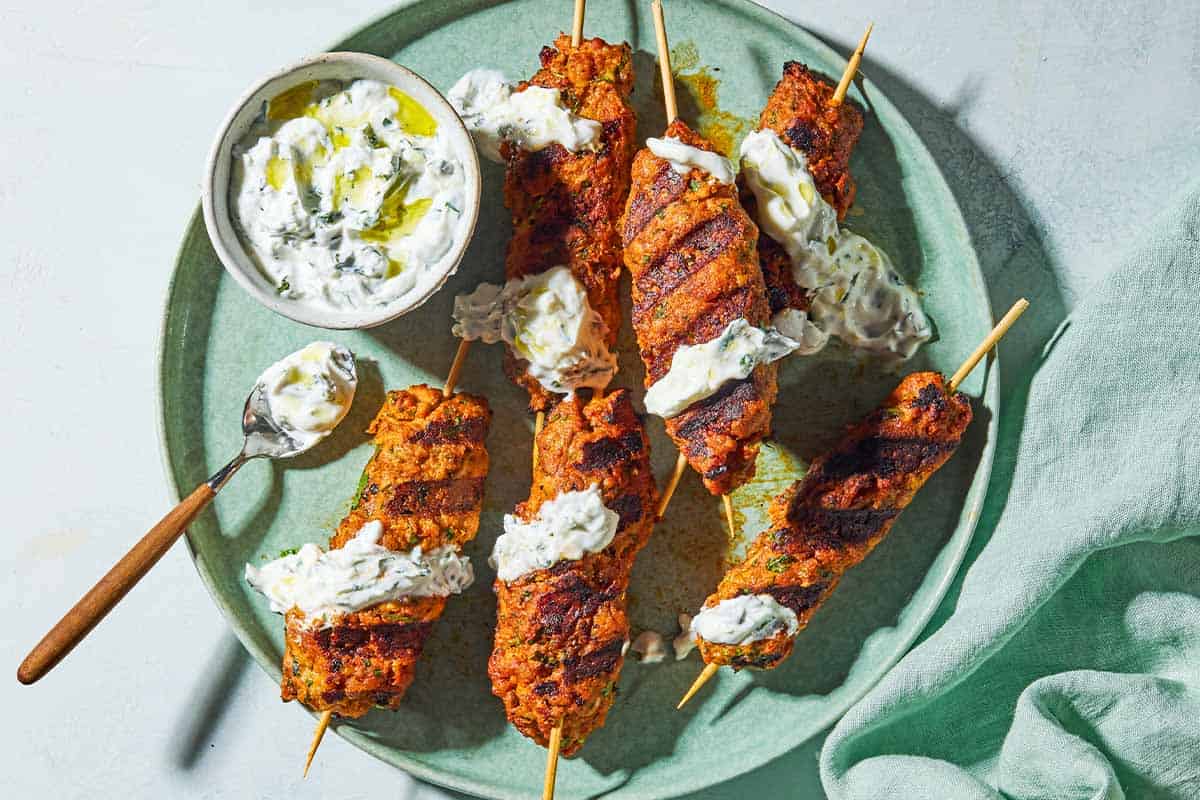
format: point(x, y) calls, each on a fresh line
point(699, 301)
point(420, 497)
point(566, 139)
point(822, 279)
point(563, 565)
point(830, 519)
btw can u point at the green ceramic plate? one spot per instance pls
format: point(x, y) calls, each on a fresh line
point(451, 730)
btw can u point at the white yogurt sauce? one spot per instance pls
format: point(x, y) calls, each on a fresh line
point(684, 158)
point(530, 119)
point(348, 197)
point(744, 619)
point(795, 324)
point(568, 527)
point(650, 647)
point(860, 298)
point(361, 574)
point(699, 370)
point(790, 207)
point(684, 643)
point(547, 321)
point(310, 391)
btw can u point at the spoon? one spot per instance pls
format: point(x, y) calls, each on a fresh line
point(264, 438)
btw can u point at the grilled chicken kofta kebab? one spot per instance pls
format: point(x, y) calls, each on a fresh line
point(700, 306)
point(563, 565)
point(822, 280)
point(566, 138)
point(830, 519)
point(357, 616)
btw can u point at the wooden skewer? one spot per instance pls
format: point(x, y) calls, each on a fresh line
point(664, 62)
point(577, 23)
point(539, 421)
point(728, 501)
point(318, 735)
point(556, 733)
point(843, 86)
point(701, 679)
point(456, 366)
point(672, 482)
point(986, 345)
point(672, 108)
point(552, 762)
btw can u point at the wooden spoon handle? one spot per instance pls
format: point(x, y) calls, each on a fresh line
point(95, 605)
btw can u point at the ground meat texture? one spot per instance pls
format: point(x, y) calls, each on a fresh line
point(565, 205)
point(690, 251)
point(425, 485)
point(847, 502)
point(560, 632)
point(798, 110)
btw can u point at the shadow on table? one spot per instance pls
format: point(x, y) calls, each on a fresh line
point(201, 718)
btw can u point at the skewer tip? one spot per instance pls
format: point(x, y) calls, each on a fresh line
point(989, 341)
point(552, 762)
point(318, 735)
point(672, 483)
point(703, 678)
point(728, 502)
point(839, 94)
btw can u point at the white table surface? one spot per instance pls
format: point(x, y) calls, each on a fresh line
point(1063, 127)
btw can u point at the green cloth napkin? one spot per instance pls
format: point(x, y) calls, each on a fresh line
point(1068, 666)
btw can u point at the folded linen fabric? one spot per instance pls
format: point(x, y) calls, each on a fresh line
point(1068, 664)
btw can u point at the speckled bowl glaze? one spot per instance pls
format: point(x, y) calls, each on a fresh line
point(343, 66)
point(450, 729)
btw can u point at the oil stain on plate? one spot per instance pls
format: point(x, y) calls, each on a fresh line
point(723, 129)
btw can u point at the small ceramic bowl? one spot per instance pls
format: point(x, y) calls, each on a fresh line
point(215, 191)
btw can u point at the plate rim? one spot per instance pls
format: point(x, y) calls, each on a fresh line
point(989, 397)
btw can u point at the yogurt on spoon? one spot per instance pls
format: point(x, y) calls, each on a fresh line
point(310, 391)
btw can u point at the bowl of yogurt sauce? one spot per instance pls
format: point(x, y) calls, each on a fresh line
point(342, 191)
